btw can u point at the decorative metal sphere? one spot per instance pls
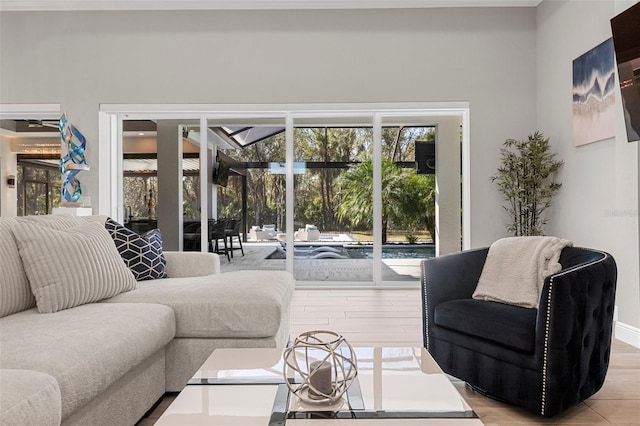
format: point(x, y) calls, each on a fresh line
point(326, 364)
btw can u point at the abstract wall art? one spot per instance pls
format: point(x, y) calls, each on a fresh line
point(593, 95)
point(72, 161)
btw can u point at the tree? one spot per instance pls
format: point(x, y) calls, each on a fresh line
point(526, 179)
point(191, 197)
point(418, 202)
point(356, 195)
point(136, 194)
point(316, 197)
point(265, 191)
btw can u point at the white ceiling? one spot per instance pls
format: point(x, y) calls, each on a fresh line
point(96, 5)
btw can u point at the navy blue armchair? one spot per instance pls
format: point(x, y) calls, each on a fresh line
point(544, 359)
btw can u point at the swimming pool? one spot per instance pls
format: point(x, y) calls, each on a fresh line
point(390, 251)
point(399, 251)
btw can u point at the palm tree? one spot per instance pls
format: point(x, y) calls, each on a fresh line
point(418, 202)
point(355, 195)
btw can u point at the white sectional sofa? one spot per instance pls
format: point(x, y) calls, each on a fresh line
point(107, 361)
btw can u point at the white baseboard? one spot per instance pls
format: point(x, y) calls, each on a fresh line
point(628, 334)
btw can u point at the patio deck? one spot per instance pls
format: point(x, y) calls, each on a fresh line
point(335, 271)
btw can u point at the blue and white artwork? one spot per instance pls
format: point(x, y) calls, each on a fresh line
point(72, 161)
point(593, 95)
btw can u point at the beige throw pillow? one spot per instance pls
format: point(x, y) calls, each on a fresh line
point(71, 267)
point(15, 293)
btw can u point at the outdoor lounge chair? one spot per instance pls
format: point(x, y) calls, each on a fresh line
point(308, 233)
point(322, 252)
point(267, 232)
point(271, 230)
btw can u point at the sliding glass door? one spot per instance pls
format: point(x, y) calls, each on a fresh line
point(249, 189)
point(346, 195)
point(408, 198)
point(333, 201)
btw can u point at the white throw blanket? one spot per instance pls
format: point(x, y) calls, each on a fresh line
point(516, 267)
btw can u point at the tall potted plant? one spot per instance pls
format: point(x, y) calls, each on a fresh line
point(526, 179)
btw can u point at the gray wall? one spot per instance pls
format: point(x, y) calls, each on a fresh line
point(598, 203)
point(512, 64)
point(484, 56)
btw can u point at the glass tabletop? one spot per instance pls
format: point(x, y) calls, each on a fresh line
point(392, 382)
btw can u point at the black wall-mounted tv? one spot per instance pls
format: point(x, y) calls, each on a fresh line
point(221, 173)
point(625, 29)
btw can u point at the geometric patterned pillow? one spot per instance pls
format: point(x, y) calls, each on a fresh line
point(142, 253)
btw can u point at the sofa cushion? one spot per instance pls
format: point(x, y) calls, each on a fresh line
point(86, 348)
point(240, 304)
point(182, 264)
point(511, 326)
point(71, 267)
point(141, 253)
point(60, 222)
point(29, 398)
point(15, 292)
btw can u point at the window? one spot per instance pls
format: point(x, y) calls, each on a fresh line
point(38, 188)
point(140, 197)
point(140, 186)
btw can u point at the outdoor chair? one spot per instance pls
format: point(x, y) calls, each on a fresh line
point(234, 230)
point(217, 233)
point(271, 230)
point(308, 233)
point(544, 359)
point(191, 235)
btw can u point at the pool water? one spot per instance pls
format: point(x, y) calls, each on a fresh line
point(400, 251)
point(392, 252)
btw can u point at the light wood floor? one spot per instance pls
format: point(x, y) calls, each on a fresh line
point(368, 317)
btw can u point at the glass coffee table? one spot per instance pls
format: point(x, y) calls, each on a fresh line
point(394, 386)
